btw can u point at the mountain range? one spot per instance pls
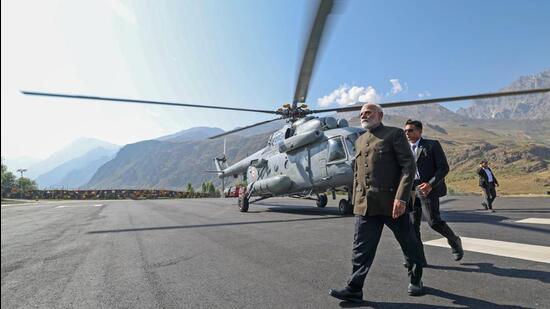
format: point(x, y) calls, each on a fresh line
point(535, 106)
point(193, 134)
point(78, 171)
point(517, 143)
point(507, 131)
point(171, 165)
point(70, 167)
point(73, 150)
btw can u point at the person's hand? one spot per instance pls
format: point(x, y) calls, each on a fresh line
point(496, 184)
point(425, 187)
point(398, 208)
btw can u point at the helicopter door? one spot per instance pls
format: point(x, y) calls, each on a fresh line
point(318, 159)
point(336, 158)
point(336, 152)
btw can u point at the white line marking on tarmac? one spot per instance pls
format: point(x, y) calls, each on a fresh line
point(502, 248)
point(65, 206)
point(535, 221)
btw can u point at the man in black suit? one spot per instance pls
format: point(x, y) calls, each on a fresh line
point(487, 181)
point(429, 185)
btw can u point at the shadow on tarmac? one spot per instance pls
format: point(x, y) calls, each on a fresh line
point(328, 211)
point(297, 209)
point(488, 218)
point(489, 268)
point(468, 302)
point(441, 202)
point(502, 210)
point(527, 210)
point(208, 225)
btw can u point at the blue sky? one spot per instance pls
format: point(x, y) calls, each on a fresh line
point(246, 54)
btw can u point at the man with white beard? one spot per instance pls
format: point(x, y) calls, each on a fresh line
point(384, 174)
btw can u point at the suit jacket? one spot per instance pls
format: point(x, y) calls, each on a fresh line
point(384, 171)
point(432, 166)
point(484, 179)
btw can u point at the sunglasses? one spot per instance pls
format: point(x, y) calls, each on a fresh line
point(409, 130)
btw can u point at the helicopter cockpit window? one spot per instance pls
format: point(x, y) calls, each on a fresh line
point(336, 150)
point(277, 138)
point(350, 143)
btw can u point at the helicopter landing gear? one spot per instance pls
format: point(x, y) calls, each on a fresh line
point(322, 201)
point(345, 207)
point(243, 201)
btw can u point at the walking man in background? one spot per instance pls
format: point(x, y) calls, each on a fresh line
point(384, 173)
point(428, 186)
point(487, 181)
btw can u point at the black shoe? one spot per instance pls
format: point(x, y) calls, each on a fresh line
point(347, 294)
point(457, 250)
point(484, 205)
point(415, 289)
point(406, 264)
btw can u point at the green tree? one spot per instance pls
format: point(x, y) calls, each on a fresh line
point(204, 188)
point(211, 189)
point(8, 179)
point(26, 184)
point(190, 188)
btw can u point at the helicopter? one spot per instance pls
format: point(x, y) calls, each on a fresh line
point(309, 155)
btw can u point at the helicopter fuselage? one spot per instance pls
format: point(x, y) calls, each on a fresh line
point(307, 157)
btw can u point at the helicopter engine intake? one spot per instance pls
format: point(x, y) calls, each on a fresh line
point(299, 140)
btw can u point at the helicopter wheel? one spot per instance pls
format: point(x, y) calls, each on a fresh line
point(243, 203)
point(345, 207)
point(322, 201)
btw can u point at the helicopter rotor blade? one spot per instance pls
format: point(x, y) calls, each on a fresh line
point(244, 128)
point(87, 97)
point(435, 100)
point(311, 51)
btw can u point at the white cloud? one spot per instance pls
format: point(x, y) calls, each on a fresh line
point(346, 95)
point(396, 86)
point(424, 94)
point(122, 11)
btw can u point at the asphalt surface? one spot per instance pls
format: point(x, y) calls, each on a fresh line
point(283, 253)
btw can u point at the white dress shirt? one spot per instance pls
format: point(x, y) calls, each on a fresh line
point(414, 147)
point(489, 174)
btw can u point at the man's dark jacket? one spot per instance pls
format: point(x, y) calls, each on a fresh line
point(432, 166)
point(384, 171)
point(484, 179)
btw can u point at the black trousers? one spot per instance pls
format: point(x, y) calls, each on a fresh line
point(368, 230)
point(490, 194)
point(429, 206)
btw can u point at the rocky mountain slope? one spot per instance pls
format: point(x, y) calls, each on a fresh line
point(171, 165)
point(193, 134)
point(536, 106)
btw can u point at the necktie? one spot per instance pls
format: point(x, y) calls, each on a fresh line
point(417, 175)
